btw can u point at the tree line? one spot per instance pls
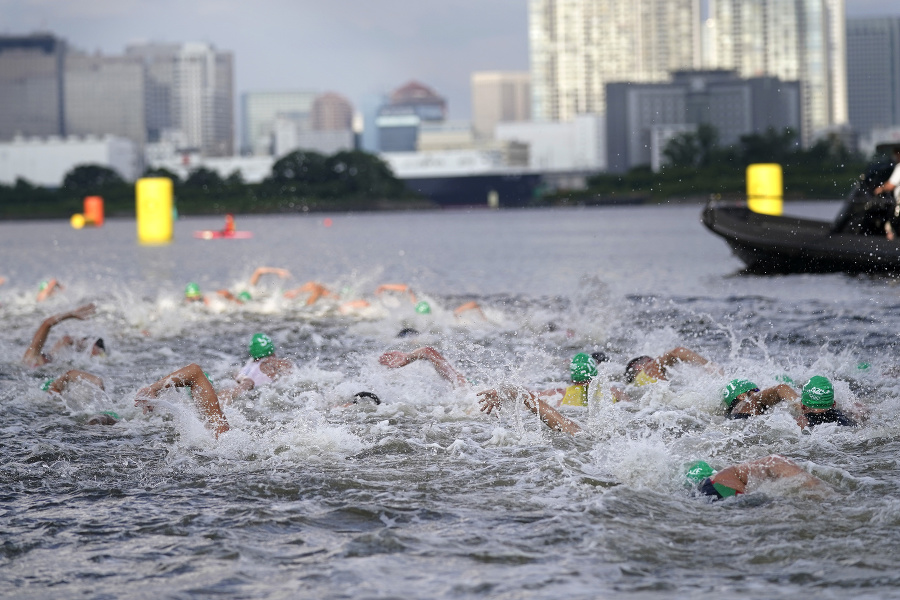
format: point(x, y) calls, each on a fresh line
point(300, 181)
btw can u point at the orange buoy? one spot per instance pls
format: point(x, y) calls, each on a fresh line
point(93, 210)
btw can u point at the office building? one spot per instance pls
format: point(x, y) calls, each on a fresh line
point(261, 110)
point(408, 107)
point(31, 86)
point(873, 73)
point(576, 146)
point(641, 118)
point(499, 97)
point(331, 112)
point(190, 90)
point(799, 40)
point(578, 46)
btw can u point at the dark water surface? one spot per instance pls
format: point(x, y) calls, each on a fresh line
point(424, 496)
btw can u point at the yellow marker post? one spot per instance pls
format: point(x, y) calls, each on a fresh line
point(765, 188)
point(154, 210)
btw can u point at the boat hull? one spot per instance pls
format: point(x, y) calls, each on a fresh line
point(774, 244)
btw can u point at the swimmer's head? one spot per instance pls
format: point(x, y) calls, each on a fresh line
point(95, 346)
point(192, 291)
point(245, 296)
point(697, 471)
point(107, 417)
point(583, 368)
point(818, 393)
point(423, 308)
point(45, 387)
point(735, 388)
point(407, 332)
point(366, 396)
point(599, 357)
point(261, 346)
point(635, 366)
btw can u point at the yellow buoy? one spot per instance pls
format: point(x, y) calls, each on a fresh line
point(154, 210)
point(765, 188)
point(77, 221)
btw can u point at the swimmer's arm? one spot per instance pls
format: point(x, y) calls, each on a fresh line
point(202, 392)
point(774, 467)
point(62, 382)
point(244, 385)
point(395, 287)
point(493, 398)
point(473, 306)
point(275, 367)
point(260, 271)
point(33, 354)
point(396, 359)
point(686, 355)
point(228, 296)
point(775, 395)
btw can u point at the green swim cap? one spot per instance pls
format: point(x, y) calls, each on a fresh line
point(863, 366)
point(111, 414)
point(423, 308)
point(245, 296)
point(43, 285)
point(46, 385)
point(583, 368)
point(785, 379)
point(261, 346)
point(698, 470)
point(735, 389)
point(818, 393)
point(192, 290)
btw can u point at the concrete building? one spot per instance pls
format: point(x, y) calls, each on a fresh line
point(262, 109)
point(576, 146)
point(105, 95)
point(873, 75)
point(31, 86)
point(499, 97)
point(331, 112)
point(577, 46)
point(289, 137)
point(190, 89)
point(398, 121)
point(252, 169)
point(641, 118)
point(793, 41)
point(45, 161)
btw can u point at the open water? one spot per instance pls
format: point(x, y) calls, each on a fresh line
point(424, 496)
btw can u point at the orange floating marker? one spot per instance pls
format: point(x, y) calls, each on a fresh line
point(327, 222)
point(93, 210)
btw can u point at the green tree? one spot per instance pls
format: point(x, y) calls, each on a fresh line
point(90, 178)
point(302, 167)
point(162, 172)
point(202, 177)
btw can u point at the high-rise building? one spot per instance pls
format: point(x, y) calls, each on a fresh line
point(105, 95)
point(801, 40)
point(578, 46)
point(190, 91)
point(499, 97)
point(873, 75)
point(262, 111)
point(331, 112)
point(31, 86)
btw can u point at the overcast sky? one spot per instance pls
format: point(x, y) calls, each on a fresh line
point(357, 48)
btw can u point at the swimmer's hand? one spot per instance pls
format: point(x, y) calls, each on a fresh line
point(395, 359)
point(142, 399)
point(490, 399)
point(82, 312)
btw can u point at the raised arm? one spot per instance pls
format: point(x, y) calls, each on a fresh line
point(397, 359)
point(260, 271)
point(396, 287)
point(62, 382)
point(314, 289)
point(34, 356)
point(469, 306)
point(493, 398)
point(202, 392)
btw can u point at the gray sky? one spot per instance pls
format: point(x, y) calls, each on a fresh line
point(354, 47)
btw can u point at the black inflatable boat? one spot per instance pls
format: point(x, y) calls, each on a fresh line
point(855, 242)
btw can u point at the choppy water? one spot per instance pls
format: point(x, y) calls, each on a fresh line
point(424, 496)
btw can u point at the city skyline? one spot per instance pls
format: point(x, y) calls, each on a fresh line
point(354, 48)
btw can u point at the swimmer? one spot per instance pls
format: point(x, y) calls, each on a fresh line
point(47, 289)
point(241, 298)
point(202, 392)
point(469, 307)
point(314, 290)
point(62, 383)
point(193, 294)
point(735, 480)
point(646, 369)
point(743, 398)
point(34, 355)
point(263, 367)
point(817, 402)
point(399, 288)
point(260, 271)
point(582, 371)
point(493, 398)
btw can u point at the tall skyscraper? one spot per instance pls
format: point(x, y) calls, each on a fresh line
point(190, 91)
point(800, 40)
point(31, 86)
point(499, 97)
point(873, 76)
point(578, 46)
point(261, 111)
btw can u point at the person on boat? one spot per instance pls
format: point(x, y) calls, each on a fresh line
point(229, 225)
point(72, 377)
point(743, 399)
point(261, 368)
point(48, 288)
point(34, 355)
point(643, 370)
point(736, 479)
point(817, 402)
point(892, 186)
